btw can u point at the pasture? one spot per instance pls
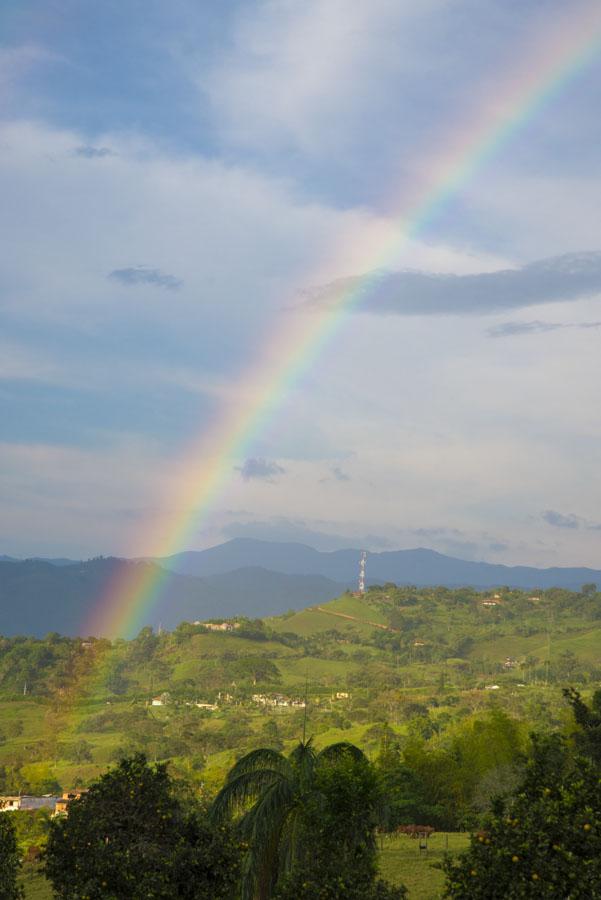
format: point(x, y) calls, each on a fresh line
point(401, 860)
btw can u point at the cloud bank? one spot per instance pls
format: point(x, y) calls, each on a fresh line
point(511, 329)
point(570, 277)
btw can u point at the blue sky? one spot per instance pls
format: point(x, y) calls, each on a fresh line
point(174, 175)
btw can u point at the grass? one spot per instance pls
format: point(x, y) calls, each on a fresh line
point(585, 644)
point(313, 621)
point(34, 884)
point(402, 862)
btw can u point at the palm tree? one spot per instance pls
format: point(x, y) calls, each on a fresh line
point(271, 791)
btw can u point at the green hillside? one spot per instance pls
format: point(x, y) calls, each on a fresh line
point(414, 658)
point(452, 680)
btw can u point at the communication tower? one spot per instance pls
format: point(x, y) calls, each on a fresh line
point(362, 571)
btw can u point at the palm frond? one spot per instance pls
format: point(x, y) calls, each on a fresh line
point(335, 751)
point(269, 812)
point(262, 758)
point(238, 792)
point(302, 750)
point(291, 847)
point(263, 826)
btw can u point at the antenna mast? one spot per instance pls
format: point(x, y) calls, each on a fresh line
point(362, 571)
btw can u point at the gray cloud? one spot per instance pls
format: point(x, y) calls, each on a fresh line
point(89, 152)
point(510, 329)
point(258, 468)
point(436, 531)
point(559, 520)
point(339, 475)
point(498, 547)
point(336, 475)
point(560, 278)
point(134, 275)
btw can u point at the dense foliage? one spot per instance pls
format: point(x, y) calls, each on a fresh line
point(131, 838)
point(9, 859)
point(337, 854)
point(308, 819)
point(545, 840)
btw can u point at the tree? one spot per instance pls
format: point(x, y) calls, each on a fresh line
point(338, 855)
point(9, 860)
point(130, 838)
point(545, 842)
point(587, 735)
point(280, 799)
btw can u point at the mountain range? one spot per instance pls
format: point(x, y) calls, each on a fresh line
point(419, 566)
point(241, 577)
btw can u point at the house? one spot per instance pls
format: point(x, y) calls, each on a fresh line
point(491, 687)
point(25, 802)
point(342, 695)
point(510, 663)
point(277, 700)
point(219, 626)
point(419, 643)
point(211, 706)
point(490, 602)
point(61, 806)
point(162, 700)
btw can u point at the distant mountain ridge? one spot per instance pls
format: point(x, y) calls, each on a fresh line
point(419, 566)
point(241, 577)
point(37, 597)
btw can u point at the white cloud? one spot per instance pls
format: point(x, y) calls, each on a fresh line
point(300, 75)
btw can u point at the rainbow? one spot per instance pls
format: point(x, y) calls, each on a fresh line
point(551, 61)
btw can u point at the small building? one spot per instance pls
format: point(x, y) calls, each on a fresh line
point(219, 626)
point(162, 700)
point(491, 687)
point(510, 663)
point(490, 603)
point(210, 706)
point(61, 806)
point(26, 802)
point(342, 695)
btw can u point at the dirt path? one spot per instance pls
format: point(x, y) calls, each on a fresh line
point(340, 615)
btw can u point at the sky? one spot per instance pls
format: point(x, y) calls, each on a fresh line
point(178, 180)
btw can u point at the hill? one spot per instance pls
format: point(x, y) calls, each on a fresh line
point(38, 597)
point(427, 661)
point(420, 566)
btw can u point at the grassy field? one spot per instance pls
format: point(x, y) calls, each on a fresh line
point(34, 884)
point(402, 861)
